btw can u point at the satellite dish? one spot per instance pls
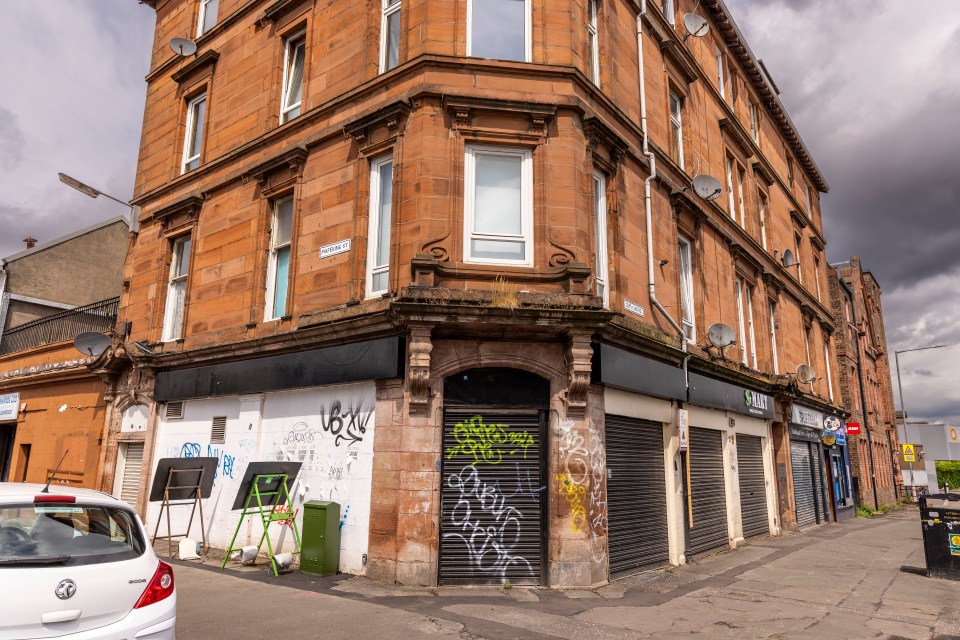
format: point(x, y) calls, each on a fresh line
point(696, 26)
point(707, 187)
point(788, 259)
point(806, 374)
point(183, 47)
point(721, 335)
point(92, 343)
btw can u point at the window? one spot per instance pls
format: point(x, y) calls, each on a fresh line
point(294, 52)
point(208, 16)
point(816, 275)
point(676, 128)
point(600, 215)
point(826, 361)
point(806, 345)
point(278, 265)
point(670, 12)
point(721, 74)
point(754, 122)
point(741, 178)
point(796, 248)
point(592, 42)
point(773, 338)
point(762, 197)
point(176, 289)
point(686, 290)
point(193, 141)
point(790, 169)
point(498, 206)
point(809, 203)
point(381, 209)
point(499, 29)
point(390, 35)
point(731, 202)
point(748, 342)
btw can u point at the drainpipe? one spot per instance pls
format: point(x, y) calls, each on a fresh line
point(648, 209)
point(863, 395)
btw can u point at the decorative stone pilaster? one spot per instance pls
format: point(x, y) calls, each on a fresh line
point(579, 357)
point(419, 373)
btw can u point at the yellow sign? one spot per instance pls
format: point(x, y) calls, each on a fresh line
point(908, 454)
point(829, 439)
point(953, 435)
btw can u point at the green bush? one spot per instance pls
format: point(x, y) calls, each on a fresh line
point(949, 473)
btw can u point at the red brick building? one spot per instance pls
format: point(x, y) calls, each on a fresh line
point(866, 383)
point(447, 254)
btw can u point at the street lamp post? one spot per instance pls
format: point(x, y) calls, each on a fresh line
point(903, 407)
point(87, 190)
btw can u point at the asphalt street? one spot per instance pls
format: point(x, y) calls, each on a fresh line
point(847, 580)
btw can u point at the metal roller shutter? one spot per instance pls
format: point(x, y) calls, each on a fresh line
point(636, 495)
point(753, 486)
point(708, 529)
point(132, 463)
point(818, 482)
point(803, 491)
point(491, 505)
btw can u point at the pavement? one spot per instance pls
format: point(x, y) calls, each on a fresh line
point(855, 579)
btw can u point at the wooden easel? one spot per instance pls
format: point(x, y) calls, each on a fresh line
point(166, 504)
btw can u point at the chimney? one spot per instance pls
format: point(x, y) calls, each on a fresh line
point(31, 242)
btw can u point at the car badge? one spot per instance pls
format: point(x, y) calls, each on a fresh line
point(66, 589)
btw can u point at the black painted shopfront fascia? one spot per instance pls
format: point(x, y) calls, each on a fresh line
point(492, 497)
point(637, 534)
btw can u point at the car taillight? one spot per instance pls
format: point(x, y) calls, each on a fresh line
point(46, 497)
point(160, 587)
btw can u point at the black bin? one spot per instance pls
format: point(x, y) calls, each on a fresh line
point(941, 534)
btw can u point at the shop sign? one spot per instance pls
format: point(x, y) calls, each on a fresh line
point(9, 406)
point(803, 434)
point(833, 427)
point(682, 428)
point(707, 392)
point(829, 439)
point(807, 417)
point(853, 428)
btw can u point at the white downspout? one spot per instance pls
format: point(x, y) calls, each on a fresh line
point(648, 202)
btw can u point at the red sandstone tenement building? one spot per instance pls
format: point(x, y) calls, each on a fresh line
point(866, 384)
point(447, 254)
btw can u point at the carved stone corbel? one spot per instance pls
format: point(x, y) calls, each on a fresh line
point(579, 364)
point(419, 372)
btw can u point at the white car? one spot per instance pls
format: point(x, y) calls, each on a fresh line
point(77, 564)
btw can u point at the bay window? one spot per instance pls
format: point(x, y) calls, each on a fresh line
point(498, 206)
point(499, 29)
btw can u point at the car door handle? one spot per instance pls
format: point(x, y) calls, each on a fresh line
point(60, 616)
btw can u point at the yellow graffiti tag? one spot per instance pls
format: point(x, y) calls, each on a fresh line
point(488, 443)
point(573, 493)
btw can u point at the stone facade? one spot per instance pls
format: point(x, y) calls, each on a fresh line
point(458, 314)
point(866, 382)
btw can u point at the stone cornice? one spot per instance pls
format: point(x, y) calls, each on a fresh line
point(207, 58)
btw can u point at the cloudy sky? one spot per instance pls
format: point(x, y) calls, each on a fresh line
point(871, 86)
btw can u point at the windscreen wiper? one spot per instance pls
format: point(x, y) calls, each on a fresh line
point(44, 560)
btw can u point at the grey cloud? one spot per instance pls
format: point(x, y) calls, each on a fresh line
point(12, 141)
point(926, 373)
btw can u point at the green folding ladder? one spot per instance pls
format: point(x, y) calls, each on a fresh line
point(268, 515)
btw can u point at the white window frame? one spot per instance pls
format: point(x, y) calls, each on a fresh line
point(816, 275)
point(670, 12)
point(750, 328)
point(806, 344)
point(731, 199)
point(762, 202)
point(741, 176)
point(191, 132)
point(172, 325)
point(593, 39)
point(773, 337)
point(290, 45)
point(796, 242)
point(526, 205)
point(676, 120)
point(373, 232)
point(387, 13)
point(204, 7)
point(527, 30)
point(741, 322)
point(272, 261)
point(721, 74)
point(809, 202)
point(754, 122)
point(826, 361)
point(602, 255)
point(687, 302)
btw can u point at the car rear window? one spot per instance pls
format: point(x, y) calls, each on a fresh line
point(67, 534)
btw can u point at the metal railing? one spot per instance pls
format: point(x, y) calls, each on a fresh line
point(59, 327)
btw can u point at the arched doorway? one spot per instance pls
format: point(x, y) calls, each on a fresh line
point(492, 497)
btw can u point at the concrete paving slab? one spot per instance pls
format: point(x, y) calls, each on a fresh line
point(901, 629)
point(575, 594)
point(544, 623)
